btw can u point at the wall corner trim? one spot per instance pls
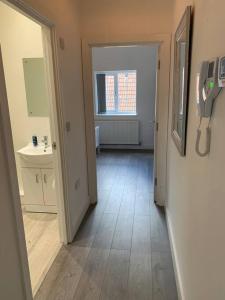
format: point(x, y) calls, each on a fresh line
point(176, 266)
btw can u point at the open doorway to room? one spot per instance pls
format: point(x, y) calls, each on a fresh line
point(28, 72)
point(124, 82)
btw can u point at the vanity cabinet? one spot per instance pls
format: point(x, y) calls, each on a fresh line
point(48, 186)
point(32, 185)
point(39, 190)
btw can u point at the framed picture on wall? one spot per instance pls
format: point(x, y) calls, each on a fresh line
point(182, 51)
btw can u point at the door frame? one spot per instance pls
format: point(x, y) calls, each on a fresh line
point(13, 184)
point(50, 43)
point(161, 107)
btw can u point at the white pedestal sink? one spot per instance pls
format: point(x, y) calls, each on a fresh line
point(39, 155)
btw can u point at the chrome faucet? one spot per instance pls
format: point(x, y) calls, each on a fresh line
point(45, 141)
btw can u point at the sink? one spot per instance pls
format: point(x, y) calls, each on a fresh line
point(39, 155)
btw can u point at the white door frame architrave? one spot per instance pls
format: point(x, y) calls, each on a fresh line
point(161, 105)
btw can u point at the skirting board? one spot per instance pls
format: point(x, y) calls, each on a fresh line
point(175, 259)
point(51, 209)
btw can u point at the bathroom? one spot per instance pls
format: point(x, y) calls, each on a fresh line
point(22, 48)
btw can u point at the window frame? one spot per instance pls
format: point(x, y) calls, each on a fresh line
point(115, 112)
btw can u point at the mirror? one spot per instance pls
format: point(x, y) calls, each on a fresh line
point(35, 85)
point(181, 81)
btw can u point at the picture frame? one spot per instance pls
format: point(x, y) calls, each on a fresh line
point(182, 51)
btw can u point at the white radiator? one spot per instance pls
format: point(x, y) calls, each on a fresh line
point(123, 132)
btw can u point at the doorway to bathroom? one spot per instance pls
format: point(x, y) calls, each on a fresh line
point(26, 54)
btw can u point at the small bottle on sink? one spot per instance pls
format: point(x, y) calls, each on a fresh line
point(34, 140)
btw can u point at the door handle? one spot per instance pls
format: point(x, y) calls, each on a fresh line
point(37, 178)
point(54, 145)
point(45, 178)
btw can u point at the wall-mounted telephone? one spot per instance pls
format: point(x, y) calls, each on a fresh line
point(209, 83)
point(208, 87)
point(221, 72)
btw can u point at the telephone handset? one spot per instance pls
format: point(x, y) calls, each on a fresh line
point(207, 90)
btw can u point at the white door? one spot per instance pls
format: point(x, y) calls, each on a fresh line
point(48, 178)
point(32, 185)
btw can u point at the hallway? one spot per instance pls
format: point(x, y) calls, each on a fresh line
point(122, 249)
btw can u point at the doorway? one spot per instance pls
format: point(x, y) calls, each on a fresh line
point(124, 89)
point(162, 106)
point(26, 56)
point(124, 236)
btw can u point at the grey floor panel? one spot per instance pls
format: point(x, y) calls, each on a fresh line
point(122, 249)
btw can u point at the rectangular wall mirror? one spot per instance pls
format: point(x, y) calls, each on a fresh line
point(181, 81)
point(35, 85)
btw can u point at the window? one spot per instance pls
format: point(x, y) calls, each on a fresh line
point(115, 92)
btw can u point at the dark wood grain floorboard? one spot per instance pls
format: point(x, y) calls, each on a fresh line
point(122, 249)
point(123, 232)
point(127, 205)
point(159, 234)
point(164, 285)
point(63, 278)
point(141, 235)
point(88, 229)
point(91, 280)
point(140, 277)
point(105, 232)
point(115, 285)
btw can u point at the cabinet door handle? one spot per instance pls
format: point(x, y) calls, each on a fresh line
point(45, 178)
point(37, 178)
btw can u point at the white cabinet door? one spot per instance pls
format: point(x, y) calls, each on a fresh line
point(32, 184)
point(48, 178)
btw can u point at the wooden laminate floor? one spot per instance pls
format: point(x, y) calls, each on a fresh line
point(122, 249)
point(43, 244)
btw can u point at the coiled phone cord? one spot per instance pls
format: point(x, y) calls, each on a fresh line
point(208, 139)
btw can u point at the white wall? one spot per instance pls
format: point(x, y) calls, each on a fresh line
point(125, 19)
point(143, 59)
point(20, 38)
point(196, 189)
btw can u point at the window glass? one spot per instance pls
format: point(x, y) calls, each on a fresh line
point(127, 92)
point(116, 94)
